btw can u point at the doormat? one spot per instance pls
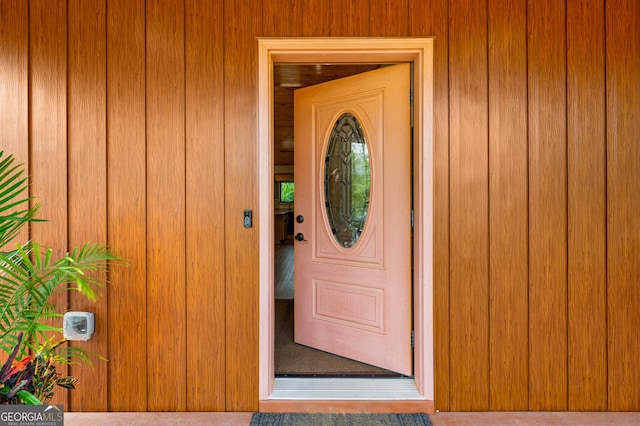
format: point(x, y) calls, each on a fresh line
point(336, 419)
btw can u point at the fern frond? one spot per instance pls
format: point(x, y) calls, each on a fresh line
point(13, 184)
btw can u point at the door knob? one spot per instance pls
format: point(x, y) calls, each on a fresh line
point(299, 218)
point(299, 237)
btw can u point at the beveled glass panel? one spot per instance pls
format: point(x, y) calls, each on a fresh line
point(347, 180)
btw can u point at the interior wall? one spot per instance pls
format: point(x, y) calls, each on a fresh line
point(137, 121)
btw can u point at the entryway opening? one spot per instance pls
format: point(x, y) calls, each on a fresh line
point(277, 57)
point(292, 358)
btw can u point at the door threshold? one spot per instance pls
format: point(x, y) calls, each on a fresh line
point(344, 389)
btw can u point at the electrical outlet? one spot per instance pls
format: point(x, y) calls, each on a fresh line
point(78, 325)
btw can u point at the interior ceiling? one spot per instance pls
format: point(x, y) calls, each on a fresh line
point(286, 79)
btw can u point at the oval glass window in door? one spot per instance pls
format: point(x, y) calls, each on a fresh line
point(347, 180)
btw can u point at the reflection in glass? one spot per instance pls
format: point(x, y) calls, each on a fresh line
point(347, 180)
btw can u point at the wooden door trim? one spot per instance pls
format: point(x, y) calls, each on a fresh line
point(418, 51)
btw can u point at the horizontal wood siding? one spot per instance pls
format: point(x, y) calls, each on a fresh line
point(137, 121)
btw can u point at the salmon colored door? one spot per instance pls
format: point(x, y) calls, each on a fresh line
point(352, 252)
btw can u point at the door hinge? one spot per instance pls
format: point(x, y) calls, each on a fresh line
point(412, 340)
point(412, 218)
point(411, 96)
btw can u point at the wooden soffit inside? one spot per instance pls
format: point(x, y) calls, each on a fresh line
point(287, 77)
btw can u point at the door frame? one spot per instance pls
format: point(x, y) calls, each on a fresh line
point(419, 52)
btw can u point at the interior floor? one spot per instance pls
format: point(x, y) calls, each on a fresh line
point(283, 271)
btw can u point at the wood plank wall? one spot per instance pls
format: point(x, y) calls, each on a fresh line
point(136, 120)
point(127, 388)
point(587, 198)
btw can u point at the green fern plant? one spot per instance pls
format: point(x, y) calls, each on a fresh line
point(30, 274)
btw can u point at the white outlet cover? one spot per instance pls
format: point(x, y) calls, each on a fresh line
point(78, 325)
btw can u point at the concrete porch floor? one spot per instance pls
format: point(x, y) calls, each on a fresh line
point(438, 419)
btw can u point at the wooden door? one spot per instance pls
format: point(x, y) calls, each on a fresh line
point(353, 193)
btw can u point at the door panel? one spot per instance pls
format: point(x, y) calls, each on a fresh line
point(353, 298)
